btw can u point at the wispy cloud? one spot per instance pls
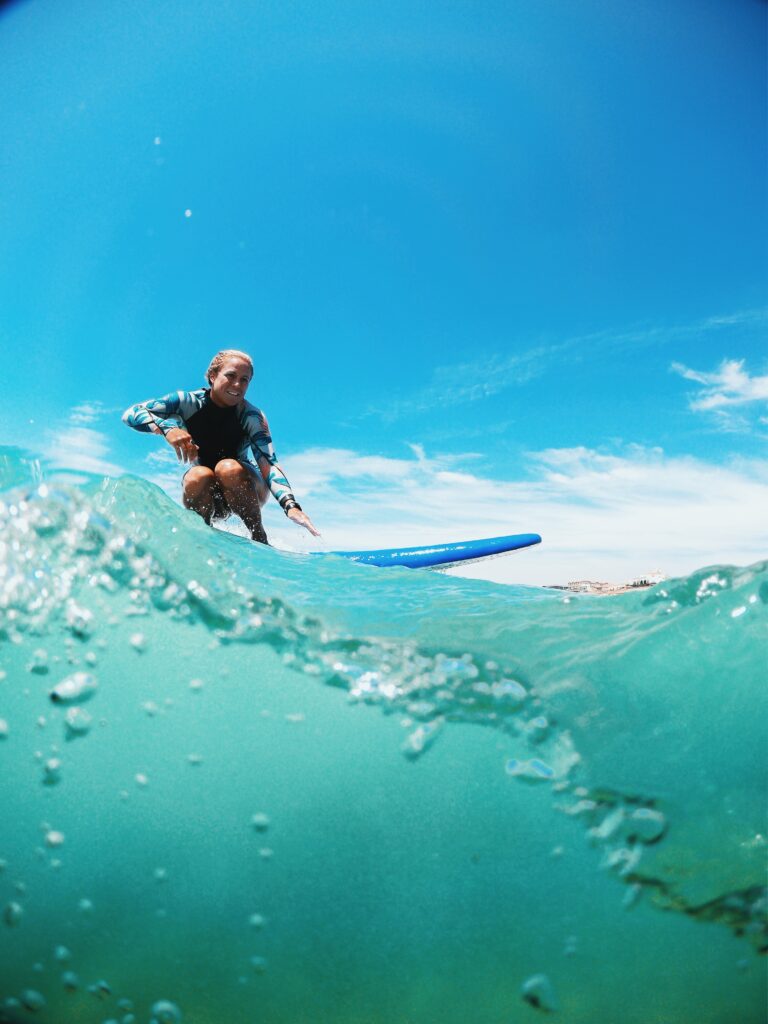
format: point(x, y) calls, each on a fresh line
point(729, 385)
point(492, 373)
point(79, 446)
point(609, 515)
point(84, 449)
point(727, 392)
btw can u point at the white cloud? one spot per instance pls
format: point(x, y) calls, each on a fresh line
point(89, 412)
point(601, 515)
point(81, 448)
point(727, 386)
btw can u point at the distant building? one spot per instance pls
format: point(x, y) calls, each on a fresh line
point(649, 580)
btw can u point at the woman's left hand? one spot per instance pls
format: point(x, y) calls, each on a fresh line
point(302, 519)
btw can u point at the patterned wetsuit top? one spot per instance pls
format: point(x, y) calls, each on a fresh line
point(231, 433)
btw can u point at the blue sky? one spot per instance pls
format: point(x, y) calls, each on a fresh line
point(502, 266)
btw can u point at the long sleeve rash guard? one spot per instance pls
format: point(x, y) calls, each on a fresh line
point(235, 433)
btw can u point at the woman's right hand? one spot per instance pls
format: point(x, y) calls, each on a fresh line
point(181, 441)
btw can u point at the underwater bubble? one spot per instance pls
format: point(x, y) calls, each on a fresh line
point(12, 913)
point(39, 663)
point(165, 1012)
point(529, 771)
point(52, 771)
point(422, 738)
point(610, 824)
point(4, 729)
point(32, 1000)
point(646, 825)
point(632, 895)
point(539, 993)
point(77, 722)
point(260, 822)
point(53, 838)
point(509, 690)
point(79, 619)
point(78, 687)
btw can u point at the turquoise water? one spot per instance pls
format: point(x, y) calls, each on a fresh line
point(284, 788)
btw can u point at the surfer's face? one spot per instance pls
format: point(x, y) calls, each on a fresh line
point(229, 385)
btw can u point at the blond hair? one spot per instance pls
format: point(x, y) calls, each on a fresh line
point(218, 361)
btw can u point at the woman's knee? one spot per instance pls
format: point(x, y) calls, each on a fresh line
point(231, 473)
point(197, 481)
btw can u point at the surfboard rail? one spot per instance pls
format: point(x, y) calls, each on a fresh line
point(443, 556)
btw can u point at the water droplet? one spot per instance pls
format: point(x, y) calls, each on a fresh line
point(260, 822)
point(4, 729)
point(54, 838)
point(101, 989)
point(61, 954)
point(194, 759)
point(52, 771)
point(85, 906)
point(165, 1012)
point(39, 663)
point(266, 853)
point(196, 685)
point(77, 722)
point(32, 1000)
point(529, 771)
point(70, 981)
point(78, 687)
point(150, 707)
point(646, 825)
point(160, 875)
point(259, 964)
point(12, 913)
point(538, 991)
point(187, 213)
point(256, 921)
point(141, 779)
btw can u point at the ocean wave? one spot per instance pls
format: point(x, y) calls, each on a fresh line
point(630, 731)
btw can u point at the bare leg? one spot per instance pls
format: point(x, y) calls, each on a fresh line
point(245, 492)
point(198, 491)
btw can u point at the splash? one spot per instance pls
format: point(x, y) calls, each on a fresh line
point(429, 793)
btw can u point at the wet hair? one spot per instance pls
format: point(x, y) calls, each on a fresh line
point(220, 358)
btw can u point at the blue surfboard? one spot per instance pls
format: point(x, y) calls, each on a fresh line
point(443, 556)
